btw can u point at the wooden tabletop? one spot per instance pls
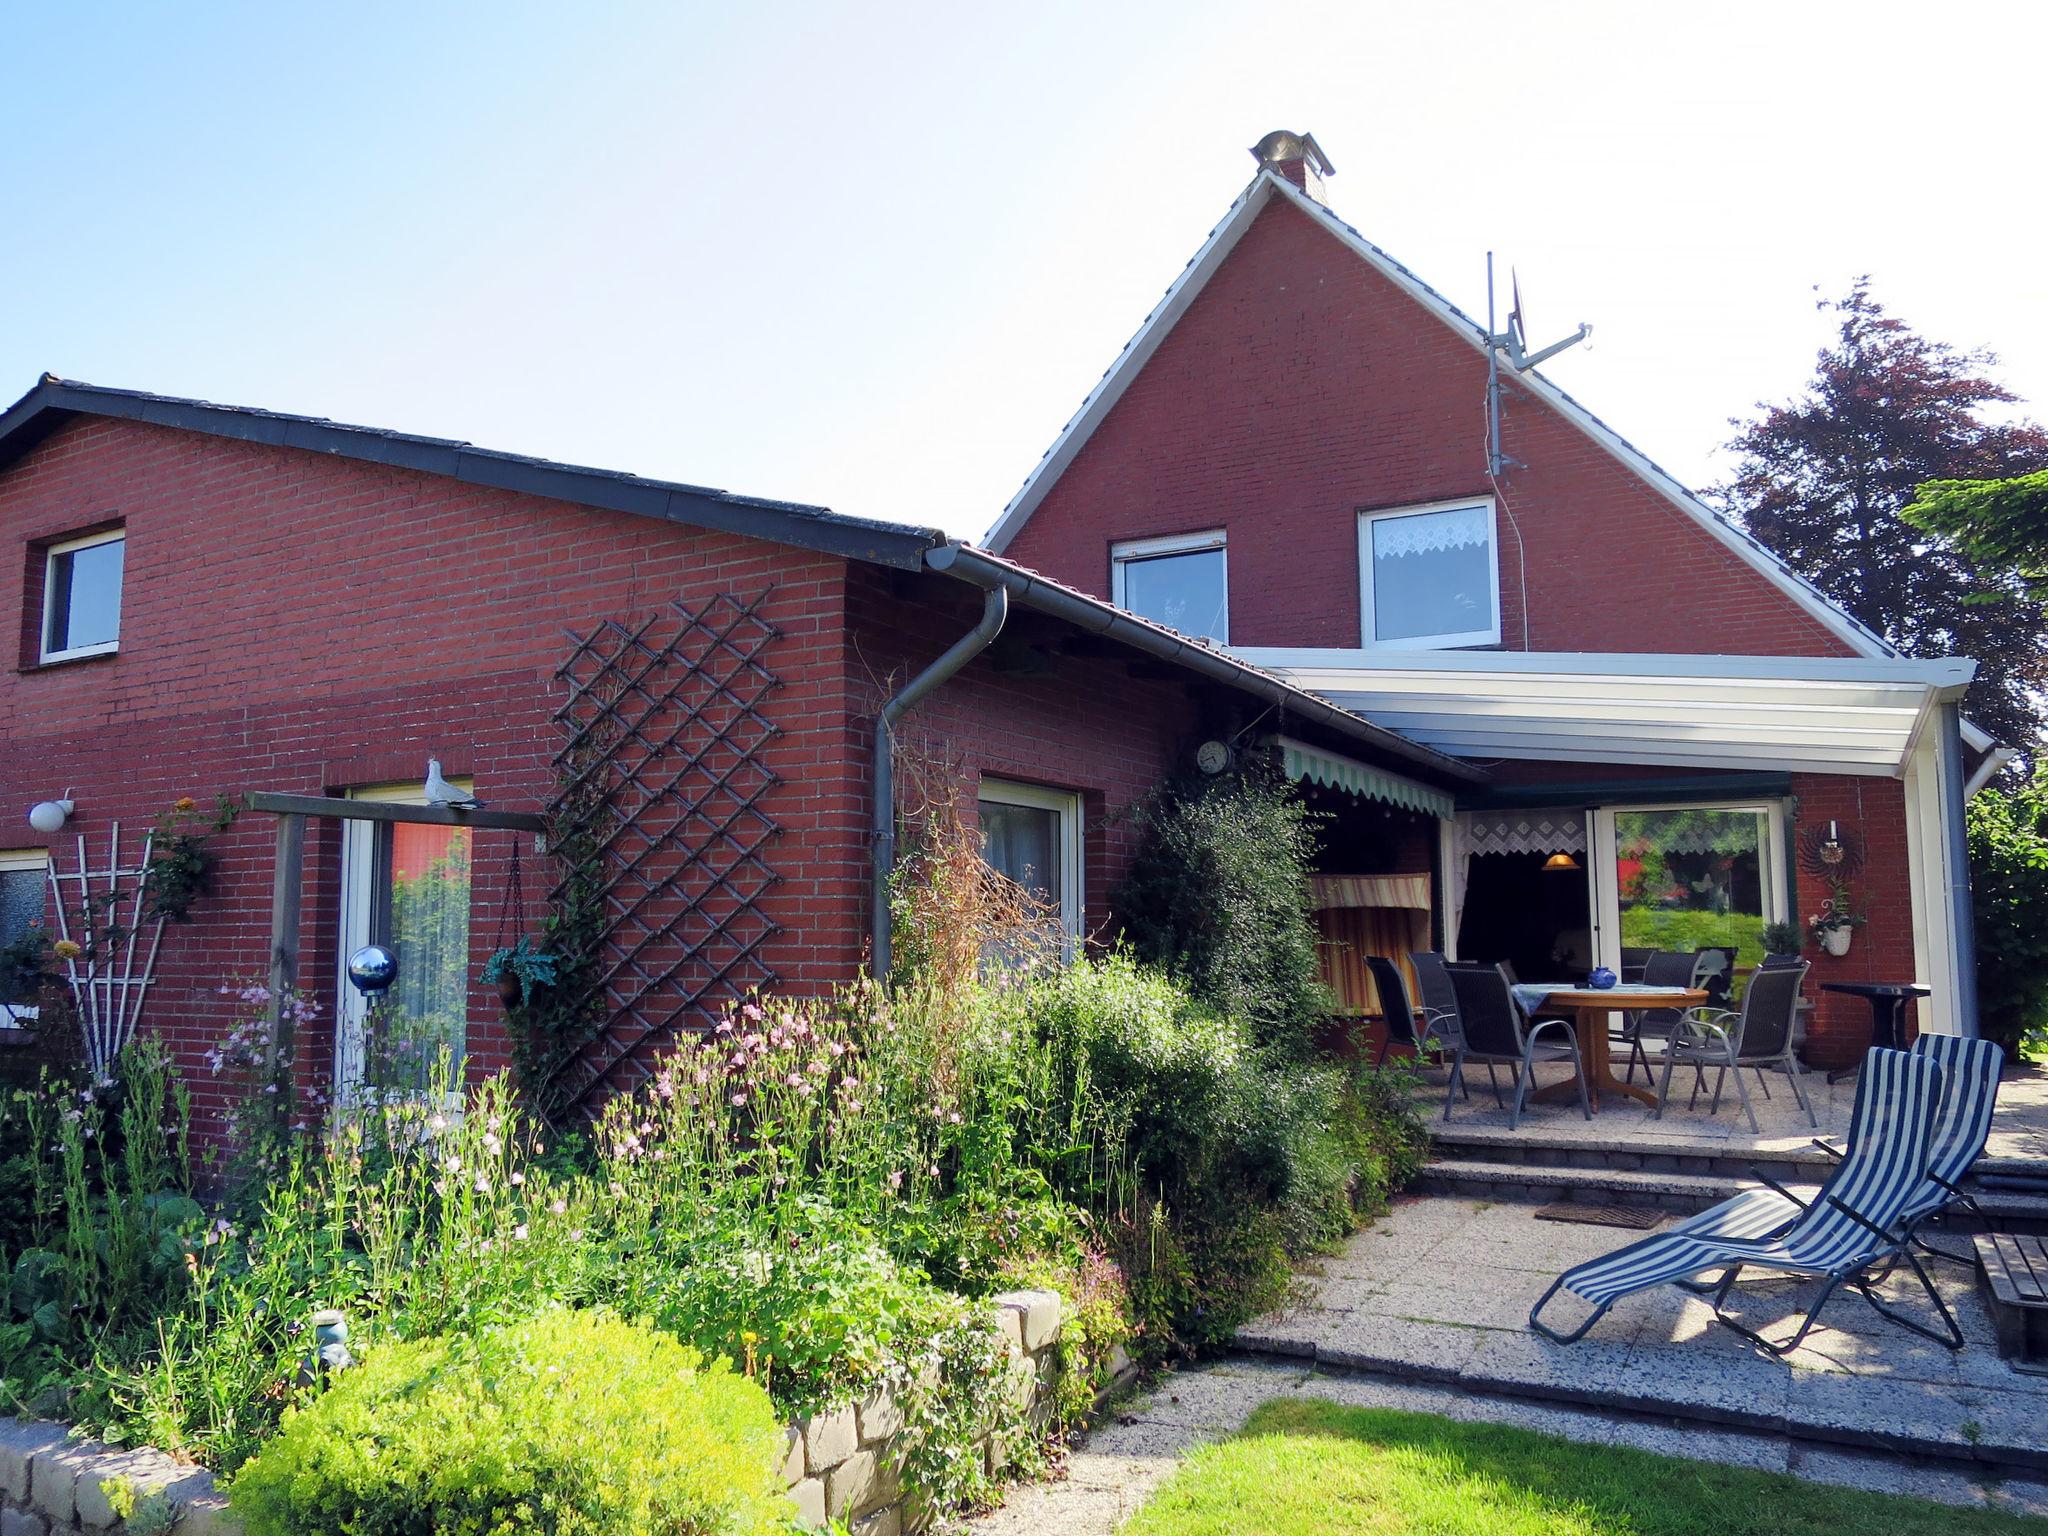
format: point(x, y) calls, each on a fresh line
point(1589, 998)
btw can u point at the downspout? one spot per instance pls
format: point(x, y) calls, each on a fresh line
point(1955, 852)
point(995, 608)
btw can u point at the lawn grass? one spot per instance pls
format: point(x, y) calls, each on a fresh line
point(1306, 1467)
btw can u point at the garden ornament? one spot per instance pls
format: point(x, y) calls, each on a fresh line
point(441, 792)
point(373, 969)
point(330, 1348)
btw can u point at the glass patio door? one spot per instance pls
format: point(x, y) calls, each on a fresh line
point(1687, 877)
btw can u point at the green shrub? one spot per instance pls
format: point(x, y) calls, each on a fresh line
point(1218, 896)
point(2008, 834)
point(817, 1312)
point(1217, 1161)
point(572, 1423)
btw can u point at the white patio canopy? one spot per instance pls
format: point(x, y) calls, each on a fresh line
point(1787, 714)
point(1874, 716)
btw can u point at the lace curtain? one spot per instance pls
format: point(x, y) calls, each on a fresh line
point(1428, 532)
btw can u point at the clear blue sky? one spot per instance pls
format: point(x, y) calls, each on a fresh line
point(873, 256)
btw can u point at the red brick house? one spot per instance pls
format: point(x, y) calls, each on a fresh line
point(213, 600)
point(1291, 457)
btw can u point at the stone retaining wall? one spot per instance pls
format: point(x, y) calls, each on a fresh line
point(51, 1483)
point(840, 1464)
point(843, 1464)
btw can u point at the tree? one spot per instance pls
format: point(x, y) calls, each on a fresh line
point(1823, 479)
point(1218, 895)
point(2008, 832)
point(2000, 524)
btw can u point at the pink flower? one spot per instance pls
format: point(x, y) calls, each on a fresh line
point(560, 1207)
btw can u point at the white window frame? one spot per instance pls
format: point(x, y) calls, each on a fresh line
point(69, 546)
point(358, 888)
point(1603, 849)
point(1067, 804)
point(1129, 551)
point(1444, 642)
point(16, 861)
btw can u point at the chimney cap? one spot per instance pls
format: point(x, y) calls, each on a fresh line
point(1279, 147)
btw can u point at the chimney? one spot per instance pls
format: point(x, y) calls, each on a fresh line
point(1298, 157)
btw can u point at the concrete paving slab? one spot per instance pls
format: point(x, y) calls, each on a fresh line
point(1411, 1350)
point(1860, 1381)
point(1219, 1397)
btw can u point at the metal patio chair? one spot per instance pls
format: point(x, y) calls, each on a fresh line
point(1855, 1231)
point(1758, 1036)
point(1440, 1008)
point(1495, 1033)
point(1713, 972)
point(1404, 1025)
point(1663, 968)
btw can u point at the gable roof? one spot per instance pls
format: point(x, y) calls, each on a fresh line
point(55, 401)
point(1269, 184)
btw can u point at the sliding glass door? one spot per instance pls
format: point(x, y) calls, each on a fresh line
point(1687, 877)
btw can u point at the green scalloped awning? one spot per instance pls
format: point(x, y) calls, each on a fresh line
point(1337, 771)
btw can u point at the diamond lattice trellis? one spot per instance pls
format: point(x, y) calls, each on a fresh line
point(670, 721)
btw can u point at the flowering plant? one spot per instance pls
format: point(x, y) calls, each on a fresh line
point(252, 1057)
point(1838, 911)
point(181, 863)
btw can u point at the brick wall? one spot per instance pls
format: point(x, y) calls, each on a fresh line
point(1882, 950)
point(295, 622)
point(1085, 724)
point(1301, 386)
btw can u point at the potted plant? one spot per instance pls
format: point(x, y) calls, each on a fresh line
point(1783, 939)
point(1837, 920)
point(519, 972)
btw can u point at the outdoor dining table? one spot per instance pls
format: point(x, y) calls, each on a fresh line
point(1591, 1009)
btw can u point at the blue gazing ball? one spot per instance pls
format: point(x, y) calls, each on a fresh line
point(373, 968)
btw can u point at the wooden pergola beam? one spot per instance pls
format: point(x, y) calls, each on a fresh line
point(291, 812)
point(384, 810)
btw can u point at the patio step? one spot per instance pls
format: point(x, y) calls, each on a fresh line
point(1658, 1188)
point(1488, 1179)
point(1550, 1149)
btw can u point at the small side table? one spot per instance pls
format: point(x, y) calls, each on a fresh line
point(1887, 1001)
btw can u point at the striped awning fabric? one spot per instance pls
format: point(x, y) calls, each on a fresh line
point(1318, 766)
point(1370, 891)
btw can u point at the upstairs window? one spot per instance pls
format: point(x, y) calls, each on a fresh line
point(82, 596)
point(1429, 577)
point(1177, 581)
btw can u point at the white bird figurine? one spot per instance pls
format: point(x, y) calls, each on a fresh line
point(441, 792)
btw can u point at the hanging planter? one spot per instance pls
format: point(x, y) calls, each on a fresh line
point(520, 971)
point(1835, 924)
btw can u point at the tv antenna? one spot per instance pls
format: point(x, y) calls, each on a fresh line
point(1511, 344)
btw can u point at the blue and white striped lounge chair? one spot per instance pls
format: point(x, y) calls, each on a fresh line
point(1857, 1224)
point(1969, 1094)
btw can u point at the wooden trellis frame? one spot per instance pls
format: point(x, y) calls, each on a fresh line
point(667, 722)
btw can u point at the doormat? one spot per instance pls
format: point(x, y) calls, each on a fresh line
point(1639, 1218)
